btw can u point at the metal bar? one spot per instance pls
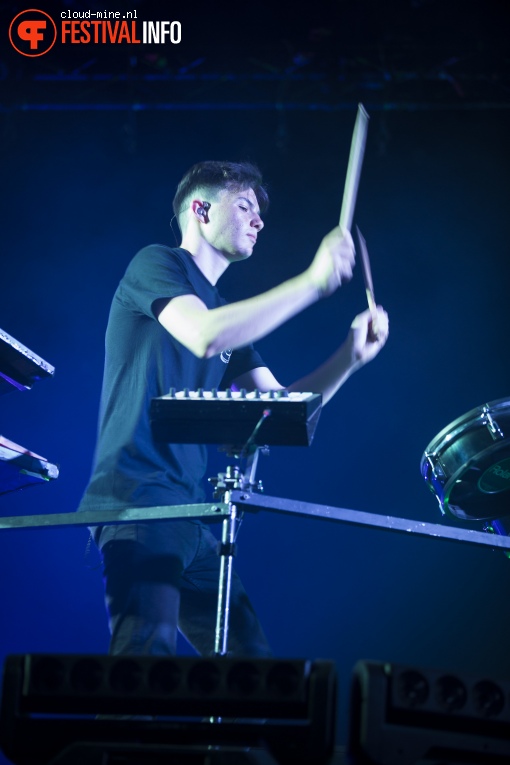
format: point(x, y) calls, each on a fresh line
point(226, 553)
point(215, 512)
point(255, 502)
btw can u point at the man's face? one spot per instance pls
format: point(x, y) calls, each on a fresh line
point(233, 223)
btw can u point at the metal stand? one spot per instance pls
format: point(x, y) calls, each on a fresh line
point(224, 485)
point(237, 493)
point(226, 550)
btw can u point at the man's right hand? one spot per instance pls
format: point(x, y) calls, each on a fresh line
point(333, 262)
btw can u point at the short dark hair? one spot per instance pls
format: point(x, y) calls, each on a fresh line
point(212, 176)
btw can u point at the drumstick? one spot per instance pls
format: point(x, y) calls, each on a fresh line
point(367, 276)
point(359, 139)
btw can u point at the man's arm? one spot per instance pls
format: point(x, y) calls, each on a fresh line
point(208, 332)
point(359, 348)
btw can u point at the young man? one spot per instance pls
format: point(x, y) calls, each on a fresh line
point(169, 327)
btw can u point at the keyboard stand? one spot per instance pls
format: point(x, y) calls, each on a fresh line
point(206, 512)
point(239, 500)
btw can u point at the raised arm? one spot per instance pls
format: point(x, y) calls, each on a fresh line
point(359, 348)
point(208, 332)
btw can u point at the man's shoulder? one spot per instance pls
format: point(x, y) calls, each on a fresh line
point(156, 271)
point(155, 252)
point(157, 259)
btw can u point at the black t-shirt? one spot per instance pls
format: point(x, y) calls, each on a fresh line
point(144, 361)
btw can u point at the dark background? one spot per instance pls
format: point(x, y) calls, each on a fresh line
point(93, 144)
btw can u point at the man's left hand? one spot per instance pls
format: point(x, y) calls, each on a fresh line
point(364, 339)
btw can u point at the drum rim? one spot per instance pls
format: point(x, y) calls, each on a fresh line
point(459, 425)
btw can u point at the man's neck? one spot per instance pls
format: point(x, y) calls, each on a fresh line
point(210, 261)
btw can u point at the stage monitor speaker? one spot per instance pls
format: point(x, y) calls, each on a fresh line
point(402, 715)
point(51, 702)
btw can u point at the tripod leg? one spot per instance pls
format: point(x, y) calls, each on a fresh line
point(226, 550)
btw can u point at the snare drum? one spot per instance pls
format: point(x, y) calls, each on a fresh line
point(467, 466)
